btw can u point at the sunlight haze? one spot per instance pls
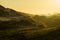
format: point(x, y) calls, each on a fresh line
point(45, 7)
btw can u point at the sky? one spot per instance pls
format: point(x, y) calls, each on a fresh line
point(45, 7)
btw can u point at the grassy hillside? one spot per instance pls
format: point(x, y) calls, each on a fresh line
point(22, 26)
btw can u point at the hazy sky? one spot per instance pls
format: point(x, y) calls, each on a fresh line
point(33, 6)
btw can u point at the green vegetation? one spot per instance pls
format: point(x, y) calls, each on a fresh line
point(22, 26)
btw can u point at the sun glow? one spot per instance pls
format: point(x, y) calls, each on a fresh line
point(45, 7)
point(57, 2)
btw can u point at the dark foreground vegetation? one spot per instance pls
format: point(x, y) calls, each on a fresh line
point(21, 26)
